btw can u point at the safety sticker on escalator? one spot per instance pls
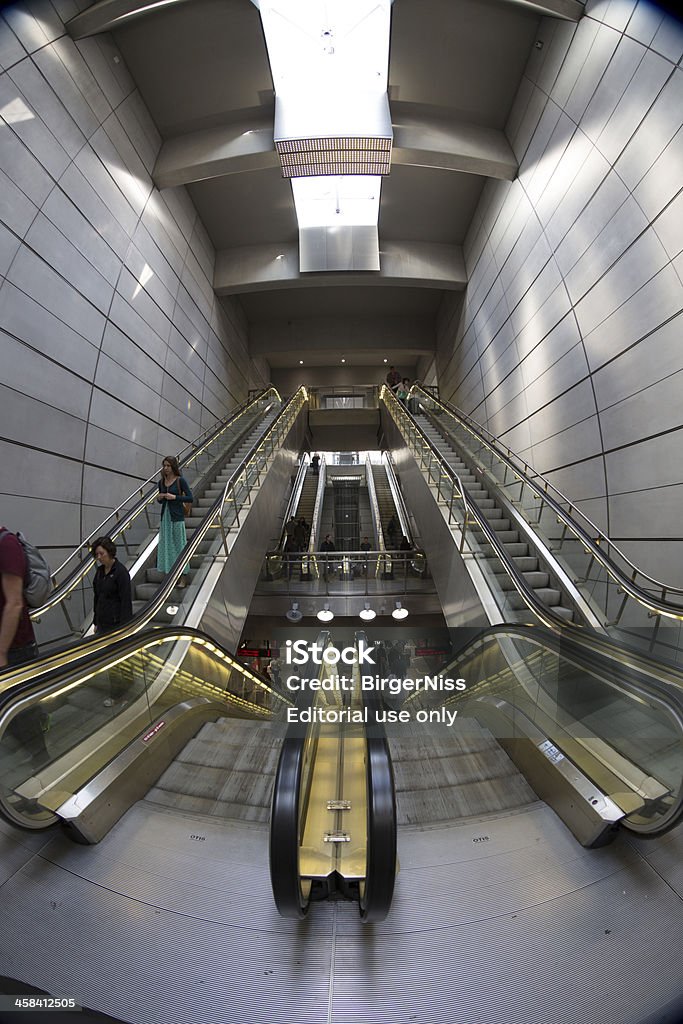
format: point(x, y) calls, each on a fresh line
point(551, 751)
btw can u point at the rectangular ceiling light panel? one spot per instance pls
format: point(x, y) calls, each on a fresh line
point(330, 60)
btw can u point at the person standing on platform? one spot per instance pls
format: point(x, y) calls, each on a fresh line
point(393, 378)
point(174, 491)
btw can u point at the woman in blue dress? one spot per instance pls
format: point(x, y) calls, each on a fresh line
point(174, 491)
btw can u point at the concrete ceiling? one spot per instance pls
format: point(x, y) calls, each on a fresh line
point(455, 67)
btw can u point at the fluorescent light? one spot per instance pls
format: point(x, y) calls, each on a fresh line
point(399, 612)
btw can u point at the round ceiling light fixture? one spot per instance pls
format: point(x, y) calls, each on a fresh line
point(294, 615)
point(399, 612)
point(325, 614)
point(367, 613)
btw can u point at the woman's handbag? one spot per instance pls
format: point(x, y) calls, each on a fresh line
point(187, 507)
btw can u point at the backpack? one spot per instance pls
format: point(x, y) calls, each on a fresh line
point(38, 579)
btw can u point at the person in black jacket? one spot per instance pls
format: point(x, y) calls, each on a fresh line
point(113, 605)
point(113, 600)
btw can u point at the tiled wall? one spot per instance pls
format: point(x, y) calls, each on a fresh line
point(569, 344)
point(113, 347)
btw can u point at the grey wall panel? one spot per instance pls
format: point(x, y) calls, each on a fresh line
point(669, 225)
point(38, 424)
point(22, 167)
point(64, 215)
point(84, 197)
point(57, 251)
point(638, 316)
point(11, 50)
point(648, 80)
point(668, 41)
point(612, 86)
point(652, 410)
point(9, 246)
point(16, 209)
point(28, 372)
point(106, 352)
point(34, 90)
point(56, 73)
point(662, 182)
point(30, 322)
point(34, 24)
point(578, 365)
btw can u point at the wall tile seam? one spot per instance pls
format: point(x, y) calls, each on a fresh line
point(51, 313)
point(48, 85)
point(632, 295)
point(595, 144)
point(530, 353)
point(596, 369)
point(28, 53)
point(542, 408)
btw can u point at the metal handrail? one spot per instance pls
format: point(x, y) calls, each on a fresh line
point(627, 583)
point(81, 570)
point(472, 513)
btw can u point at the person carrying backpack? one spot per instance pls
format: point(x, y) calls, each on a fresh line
point(17, 639)
point(18, 642)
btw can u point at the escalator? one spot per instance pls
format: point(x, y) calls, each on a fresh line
point(389, 520)
point(333, 824)
point(512, 521)
point(215, 533)
point(206, 464)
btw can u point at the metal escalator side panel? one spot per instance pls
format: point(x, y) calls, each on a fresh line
point(68, 736)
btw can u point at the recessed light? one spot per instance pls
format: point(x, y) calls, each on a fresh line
point(399, 612)
point(301, 362)
point(343, 360)
point(325, 614)
point(386, 360)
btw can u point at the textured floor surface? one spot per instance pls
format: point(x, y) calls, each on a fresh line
point(505, 918)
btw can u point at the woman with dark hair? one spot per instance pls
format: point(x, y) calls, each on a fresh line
point(174, 492)
point(113, 605)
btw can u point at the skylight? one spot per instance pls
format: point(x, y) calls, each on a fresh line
point(330, 60)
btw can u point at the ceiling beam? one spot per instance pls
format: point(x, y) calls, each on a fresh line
point(569, 10)
point(421, 139)
point(243, 145)
point(105, 15)
point(255, 268)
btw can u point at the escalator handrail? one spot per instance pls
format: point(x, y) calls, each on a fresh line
point(471, 510)
point(79, 571)
point(140, 620)
point(380, 874)
point(284, 838)
point(42, 684)
point(595, 541)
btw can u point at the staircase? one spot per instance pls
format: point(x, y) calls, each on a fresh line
point(516, 546)
point(227, 770)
